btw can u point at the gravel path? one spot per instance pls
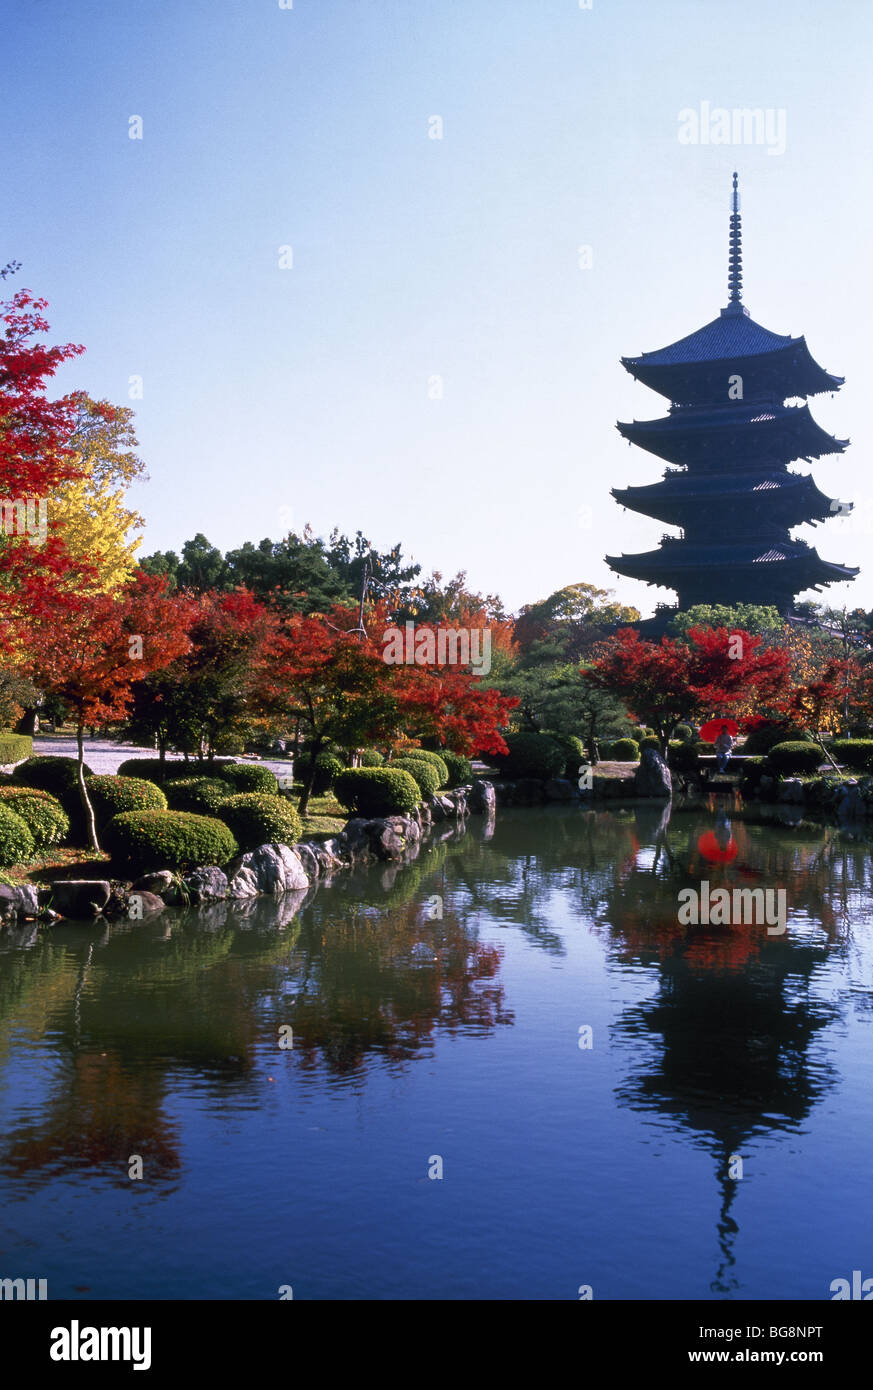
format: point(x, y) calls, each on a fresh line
point(104, 757)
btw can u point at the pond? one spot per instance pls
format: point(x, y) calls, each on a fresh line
point(508, 1072)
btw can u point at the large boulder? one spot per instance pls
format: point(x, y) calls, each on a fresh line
point(652, 777)
point(80, 897)
point(207, 884)
point(482, 799)
point(267, 869)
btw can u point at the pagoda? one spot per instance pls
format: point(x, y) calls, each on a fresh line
point(728, 439)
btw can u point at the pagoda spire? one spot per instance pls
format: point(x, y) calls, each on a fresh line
point(735, 255)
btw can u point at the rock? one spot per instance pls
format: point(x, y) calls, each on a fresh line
point(791, 791)
point(28, 900)
point(79, 897)
point(206, 884)
point(267, 869)
point(558, 789)
point(482, 798)
point(652, 777)
point(8, 903)
point(161, 882)
point(308, 858)
point(528, 791)
point(144, 904)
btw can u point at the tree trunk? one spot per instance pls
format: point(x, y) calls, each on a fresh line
point(83, 791)
point(303, 804)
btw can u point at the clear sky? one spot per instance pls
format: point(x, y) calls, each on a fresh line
point(273, 396)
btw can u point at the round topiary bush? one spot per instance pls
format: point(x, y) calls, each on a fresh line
point(460, 769)
point(111, 795)
point(16, 841)
point(683, 733)
point(41, 812)
point(59, 776)
point(371, 757)
point(625, 750)
point(650, 742)
point(574, 753)
point(706, 750)
point(248, 777)
point(255, 818)
point(377, 791)
point(327, 768)
point(139, 840)
point(427, 777)
point(856, 753)
point(753, 769)
point(682, 756)
point(795, 757)
point(200, 795)
point(434, 760)
point(765, 736)
point(530, 755)
point(154, 770)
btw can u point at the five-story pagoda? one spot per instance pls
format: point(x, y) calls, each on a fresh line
point(729, 437)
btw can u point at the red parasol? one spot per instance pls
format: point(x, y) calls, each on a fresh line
point(717, 853)
point(710, 731)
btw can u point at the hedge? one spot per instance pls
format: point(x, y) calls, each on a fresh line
point(16, 841)
point(460, 769)
point(434, 760)
point(766, 736)
point(199, 795)
point(139, 840)
point(854, 752)
point(650, 742)
point(426, 776)
point(14, 747)
point(50, 774)
point(531, 755)
point(377, 791)
point(111, 795)
point(682, 756)
point(41, 812)
point(254, 818)
point(247, 777)
point(154, 770)
point(623, 750)
point(574, 753)
point(796, 756)
point(752, 770)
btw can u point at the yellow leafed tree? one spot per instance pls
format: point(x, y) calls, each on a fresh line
point(89, 513)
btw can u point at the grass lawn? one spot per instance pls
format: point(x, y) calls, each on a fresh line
point(324, 816)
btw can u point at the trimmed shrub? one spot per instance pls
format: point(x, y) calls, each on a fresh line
point(460, 769)
point(706, 750)
point(796, 756)
point(111, 795)
point(141, 840)
point(377, 791)
point(650, 742)
point(16, 841)
point(624, 750)
point(247, 777)
point(50, 774)
point(371, 757)
point(574, 753)
point(434, 760)
point(753, 769)
point(199, 795)
point(255, 818)
point(41, 812)
point(531, 755)
point(153, 770)
point(14, 747)
point(766, 736)
point(682, 756)
point(683, 733)
point(427, 777)
point(327, 768)
point(856, 753)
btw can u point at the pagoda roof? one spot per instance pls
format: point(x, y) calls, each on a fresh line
point(783, 491)
point(678, 557)
point(732, 341)
point(780, 430)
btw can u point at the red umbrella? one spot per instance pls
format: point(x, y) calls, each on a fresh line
point(710, 731)
point(714, 851)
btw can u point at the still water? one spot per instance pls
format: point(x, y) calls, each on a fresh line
point(419, 1038)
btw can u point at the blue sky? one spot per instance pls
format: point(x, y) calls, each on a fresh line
point(275, 397)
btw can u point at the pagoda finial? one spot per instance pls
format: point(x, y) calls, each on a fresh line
point(735, 255)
